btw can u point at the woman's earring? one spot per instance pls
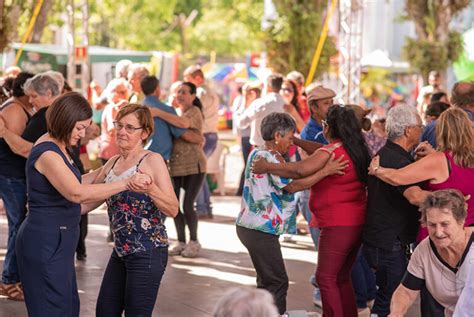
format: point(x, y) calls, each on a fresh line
point(276, 142)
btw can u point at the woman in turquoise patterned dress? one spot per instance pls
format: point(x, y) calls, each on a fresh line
point(268, 203)
point(138, 261)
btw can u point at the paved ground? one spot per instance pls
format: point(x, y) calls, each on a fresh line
point(190, 286)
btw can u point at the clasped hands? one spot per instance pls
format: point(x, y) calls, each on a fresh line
point(140, 182)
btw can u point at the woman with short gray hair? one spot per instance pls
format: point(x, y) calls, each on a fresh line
point(443, 262)
point(268, 203)
point(42, 90)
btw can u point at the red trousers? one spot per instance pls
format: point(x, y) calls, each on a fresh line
point(337, 252)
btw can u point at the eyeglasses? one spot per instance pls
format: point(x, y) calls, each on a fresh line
point(421, 126)
point(289, 90)
point(128, 127)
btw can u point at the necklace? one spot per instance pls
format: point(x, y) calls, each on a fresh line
point(271, 150)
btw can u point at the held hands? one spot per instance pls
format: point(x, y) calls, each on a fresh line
point(374, 165)
point(335, 166)
point(140, 182)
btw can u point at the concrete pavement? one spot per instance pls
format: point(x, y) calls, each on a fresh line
point(190, 287)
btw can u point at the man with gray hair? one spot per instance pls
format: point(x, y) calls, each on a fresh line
point(392, 213)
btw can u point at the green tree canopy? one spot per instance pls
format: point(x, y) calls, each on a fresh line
point(291, 38)
point(227, 27)
point(436, 45)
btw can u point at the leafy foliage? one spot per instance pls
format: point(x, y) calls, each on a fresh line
point(291, 38)
point(435, 46)
point(226, 27)
point(11, 19)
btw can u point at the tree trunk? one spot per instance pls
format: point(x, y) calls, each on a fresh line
point(443, 18)
point(41, 21)
point(10, 14)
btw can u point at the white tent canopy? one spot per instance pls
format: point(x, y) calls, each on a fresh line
point(376, 58)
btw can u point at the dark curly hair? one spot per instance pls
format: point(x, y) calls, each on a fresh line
point(343, 125)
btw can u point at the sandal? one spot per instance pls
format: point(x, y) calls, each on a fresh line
point(3, 290)
point(15, 292)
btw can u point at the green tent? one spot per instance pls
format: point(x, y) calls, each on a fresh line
point(41, 57)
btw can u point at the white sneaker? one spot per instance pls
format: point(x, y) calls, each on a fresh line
point(177, 249)
point(191, 250)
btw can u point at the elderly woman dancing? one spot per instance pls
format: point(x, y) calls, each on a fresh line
point(268, 203)
point(338, 204)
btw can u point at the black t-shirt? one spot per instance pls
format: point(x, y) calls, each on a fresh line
point(389, 214)
point(36, 127)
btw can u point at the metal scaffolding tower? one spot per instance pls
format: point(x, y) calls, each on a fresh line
point(78, 75)
point(350, 49)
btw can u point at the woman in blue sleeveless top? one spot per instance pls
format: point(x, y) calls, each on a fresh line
point(47, 239)
point(138, 261)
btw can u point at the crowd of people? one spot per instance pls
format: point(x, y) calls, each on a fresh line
point(386, 199)
point(368, 180)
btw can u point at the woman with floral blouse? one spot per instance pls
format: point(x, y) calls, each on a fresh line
point(268, 203)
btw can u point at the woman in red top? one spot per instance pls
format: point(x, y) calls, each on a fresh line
point(338, 203)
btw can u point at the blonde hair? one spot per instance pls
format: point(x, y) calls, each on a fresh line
point(455, 133)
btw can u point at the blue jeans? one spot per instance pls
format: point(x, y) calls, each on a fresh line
point(13, 194)
point(203, 200)
point(389, 266)
point(131, 283)
point(363, 281)
point(302, 199)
